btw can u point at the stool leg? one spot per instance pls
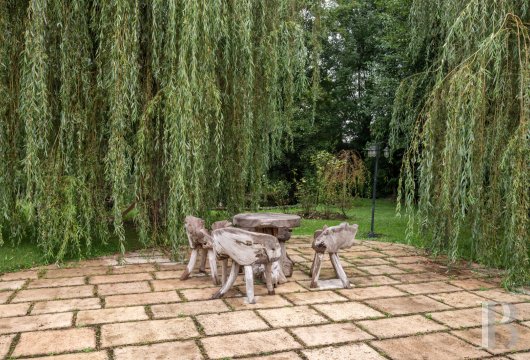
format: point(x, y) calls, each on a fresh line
point(268, 278)
point(339, 270)
point(202, 267)
point(312, 271)
point(191, 265)
point(316, 271)
point(224, 271)
point(229, 282)
point(249, 282)
point(213, 266)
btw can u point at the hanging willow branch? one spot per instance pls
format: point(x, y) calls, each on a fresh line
point(175, 106)
point(468, 160)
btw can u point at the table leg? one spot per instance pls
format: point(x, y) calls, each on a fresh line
point(287, 263)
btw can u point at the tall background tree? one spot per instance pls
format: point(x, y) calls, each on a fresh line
point(467, 113)
point(363, 58)
point(172, 106)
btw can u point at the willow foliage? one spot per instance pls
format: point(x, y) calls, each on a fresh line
point(169, 106)
point(469, 155)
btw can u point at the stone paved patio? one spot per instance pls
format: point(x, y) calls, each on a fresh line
point(402, 306)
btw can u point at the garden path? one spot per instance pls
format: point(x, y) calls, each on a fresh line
point(402, 306)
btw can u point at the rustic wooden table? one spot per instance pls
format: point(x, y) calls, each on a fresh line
point(279, 225)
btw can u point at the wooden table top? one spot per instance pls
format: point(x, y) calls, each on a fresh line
point(252, 220)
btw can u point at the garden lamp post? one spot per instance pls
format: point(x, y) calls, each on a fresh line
point(374, 151)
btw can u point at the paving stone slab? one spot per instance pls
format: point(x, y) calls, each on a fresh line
point(461, 318)
point(159, 297)
point(473, 284)
point(229, 322)
point(35, 322)
point(259, 342)
point(400, 326)
point(4, 296)
point(355, 351)
point(96, 355)
point(66, 305)
point(427, 288)
point(288, 287)
point(407, 259)
point(502, 296)
point(112, 315)
point(407, 305)
point(128, 269)
point(381, 269)
point(439, 346)
point(185, 350)
point(174, 284)
point(292, 316)
point(330, 334)
point(504, 340)
point(141, 332)
point(56, 282)
point(10, 310)
point(188, 308)
point(5, 344)
point(316, 297)
point(348, 311)
point(21, 275)
point(107, 279)
point(420, 277)
point(372, 292)
point(124, 288)
point(68, 292)
point(461, 299)
point(520, 356)
point(206, 293)
point(368, 261)
point(11, 285)
point(72, 272)
point(372, 280)
point(290, 355)
point(45, 342)
point(262, 302)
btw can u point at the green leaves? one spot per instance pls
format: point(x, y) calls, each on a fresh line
point(470, 137)
point(172, 106)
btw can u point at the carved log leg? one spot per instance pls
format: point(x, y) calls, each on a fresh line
point(312, 271)
point(213, 266)
point(278, 272)
point(268, 278)
point(202, 267)
point(339, 270)
point(191, 265)
point(229, 282)
point(224, 271)
point(249, 283)
point(285, 261)
point(316, 271)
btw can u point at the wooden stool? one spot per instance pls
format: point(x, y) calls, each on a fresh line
point(331, 240)
point(199, 239)
point(246, 249)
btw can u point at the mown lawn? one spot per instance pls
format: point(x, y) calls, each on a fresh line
point(390, 228)
point(388, 225)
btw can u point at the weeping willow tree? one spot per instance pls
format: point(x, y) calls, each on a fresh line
point(469, 156)
point(169, 106)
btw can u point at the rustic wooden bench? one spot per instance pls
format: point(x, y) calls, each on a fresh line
point(247, 249)
point(330, 240)
point(200, 240)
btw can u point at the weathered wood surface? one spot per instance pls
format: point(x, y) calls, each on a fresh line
point(246, 249)
point(254, 220)
point(201, 241)
point(330, 240)
point(278, 225)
